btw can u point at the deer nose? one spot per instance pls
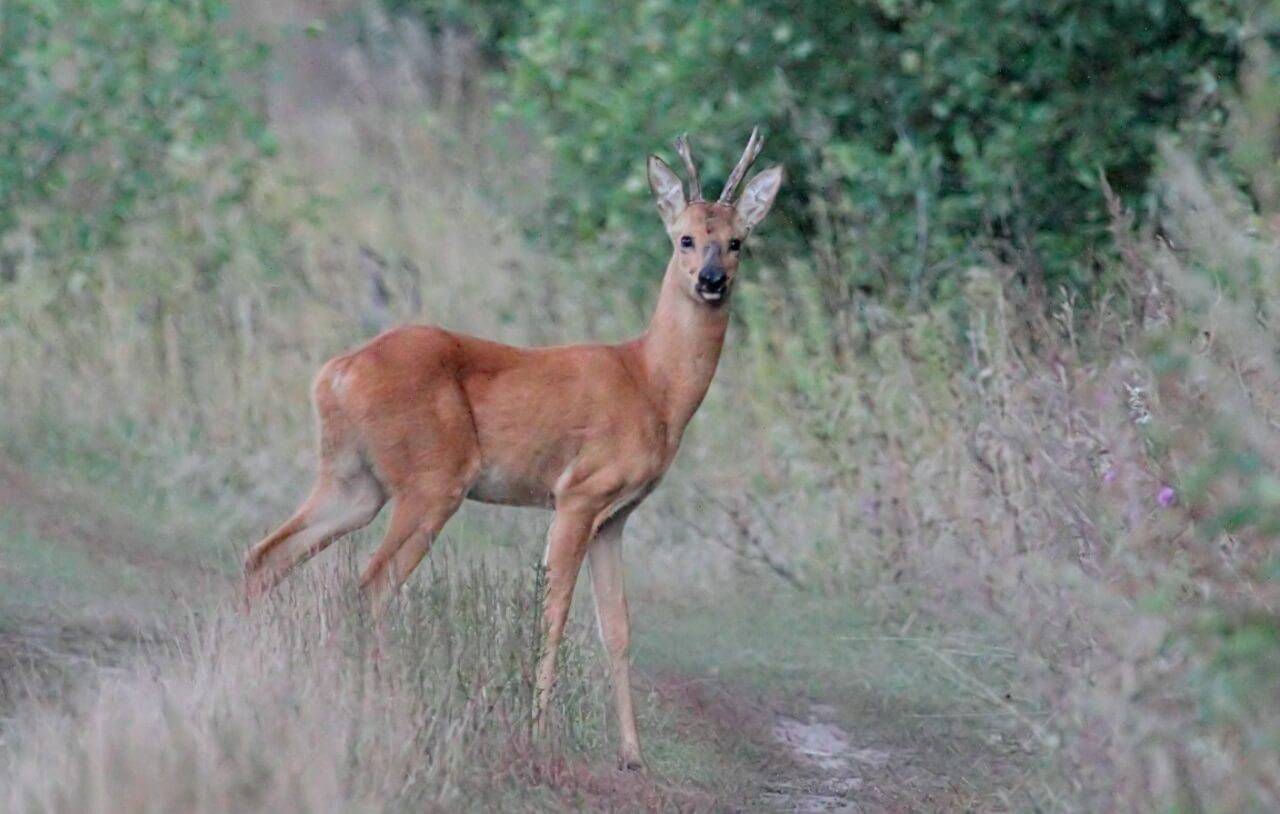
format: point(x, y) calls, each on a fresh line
point(712, 278)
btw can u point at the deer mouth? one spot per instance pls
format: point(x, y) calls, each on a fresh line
point(712, 295)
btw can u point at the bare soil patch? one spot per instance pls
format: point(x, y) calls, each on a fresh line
point(811, 762)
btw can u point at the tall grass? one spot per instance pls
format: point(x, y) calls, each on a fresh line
point(1094, 488)
point(303, 708)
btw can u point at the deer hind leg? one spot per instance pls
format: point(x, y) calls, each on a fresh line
point(345, 497)
point(339, 503)
point(428, 474)
point(416, 521)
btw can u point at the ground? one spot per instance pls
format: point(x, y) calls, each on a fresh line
point(792, 704)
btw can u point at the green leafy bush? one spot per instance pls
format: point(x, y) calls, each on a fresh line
point(108, 107)
point(909, 127)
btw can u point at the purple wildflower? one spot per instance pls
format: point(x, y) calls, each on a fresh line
point(1166, 496)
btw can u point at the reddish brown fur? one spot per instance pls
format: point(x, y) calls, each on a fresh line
point(427, 417)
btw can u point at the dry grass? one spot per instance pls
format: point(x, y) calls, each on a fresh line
point(303, 709)
point(1094, 490)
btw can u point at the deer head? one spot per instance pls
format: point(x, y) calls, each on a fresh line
point(707, 237)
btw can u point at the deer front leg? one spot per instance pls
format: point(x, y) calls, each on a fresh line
point(566, 547)
point(605, 555)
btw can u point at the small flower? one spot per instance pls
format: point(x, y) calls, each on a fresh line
point(1109, 476)
point(1138, 411)
point(1166, 496)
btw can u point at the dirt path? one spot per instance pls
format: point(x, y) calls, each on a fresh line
point(840, 768)
point(50, 511)
point(843, 769)
point(810, 762)
point(44, 648)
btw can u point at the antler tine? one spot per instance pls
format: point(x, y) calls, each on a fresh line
point(695, 186)
point(754, 145)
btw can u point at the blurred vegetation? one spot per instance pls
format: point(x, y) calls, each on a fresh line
point(916, 134)
point(111, 111)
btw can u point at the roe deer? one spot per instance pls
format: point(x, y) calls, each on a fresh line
point(426, 418)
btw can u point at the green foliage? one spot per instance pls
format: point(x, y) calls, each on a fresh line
point(107, 108)
point(908, 127)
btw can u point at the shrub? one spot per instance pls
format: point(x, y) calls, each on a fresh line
point(910, 128)
point(106, 108)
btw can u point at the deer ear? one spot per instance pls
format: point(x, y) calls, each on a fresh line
point(667, 189)
point(757, 197)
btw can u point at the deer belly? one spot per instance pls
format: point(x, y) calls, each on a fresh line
point(507, 488)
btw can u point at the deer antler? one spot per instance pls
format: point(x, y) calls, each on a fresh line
point(754, 144)
point(695, 186)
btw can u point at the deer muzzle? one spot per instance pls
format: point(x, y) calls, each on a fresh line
point(713, 283)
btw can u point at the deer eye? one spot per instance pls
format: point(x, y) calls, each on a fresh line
point(735, 244)
point(686, 242)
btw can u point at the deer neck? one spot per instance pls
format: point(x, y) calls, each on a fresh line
point(680, 351)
